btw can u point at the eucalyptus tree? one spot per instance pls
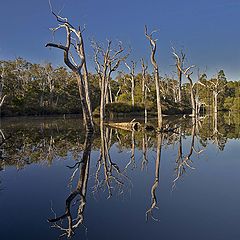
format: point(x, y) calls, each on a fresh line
point(216, 85)
point(74, 41)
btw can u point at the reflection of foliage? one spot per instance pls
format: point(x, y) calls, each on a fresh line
point(44, 140)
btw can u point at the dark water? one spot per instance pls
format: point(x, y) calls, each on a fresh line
point(183, 184)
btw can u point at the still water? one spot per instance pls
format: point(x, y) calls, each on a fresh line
point(55, 181)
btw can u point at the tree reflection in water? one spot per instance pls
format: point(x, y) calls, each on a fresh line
point(58, 140)
point(80, 192)
point(156, 181)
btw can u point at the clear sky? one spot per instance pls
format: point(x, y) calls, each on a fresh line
point(207, 29)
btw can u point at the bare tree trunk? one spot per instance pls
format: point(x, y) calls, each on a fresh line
point(79, 70)
point(179, 66)
point(179, 86)
point(156, 75)
point(193, 102)
point(132, 73)
point(187, 72)
point(85, 76)
point(110, 93)
point(106, 65)
point(144, 90)
point(215, 101)
point(2, 97)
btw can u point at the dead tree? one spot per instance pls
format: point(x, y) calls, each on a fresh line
point(188, 73)
point(107, 61)
point(145, 88)
point(132, 74)
point(2, 97)
point(74, 40)
point(153, 46)
point(179, 65)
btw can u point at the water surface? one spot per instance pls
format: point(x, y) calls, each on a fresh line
point(57, 181)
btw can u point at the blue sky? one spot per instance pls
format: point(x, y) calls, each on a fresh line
point(208, 30)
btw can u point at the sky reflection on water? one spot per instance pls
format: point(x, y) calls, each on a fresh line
point(203, 203)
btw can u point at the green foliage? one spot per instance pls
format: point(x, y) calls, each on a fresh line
point(37, 89)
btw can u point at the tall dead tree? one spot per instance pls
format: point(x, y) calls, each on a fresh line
point(145, 88)
point(107, 62)
point(188, 73)
point(153, 46)
point(132, 74)
point(179, 65)
point(74, 40)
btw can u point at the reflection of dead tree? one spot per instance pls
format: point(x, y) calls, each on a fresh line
point(217, 137)
point(2, 141)
point(132, 161)
point(153, 206)
point(183, 162)
point(111, 171)
point(144, 150)
point(80, 191)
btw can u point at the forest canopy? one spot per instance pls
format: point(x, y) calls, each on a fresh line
point(40, 89)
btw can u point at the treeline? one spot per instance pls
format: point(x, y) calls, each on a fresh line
point(38, 89)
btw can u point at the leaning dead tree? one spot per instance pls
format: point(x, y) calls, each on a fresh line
point(132, 74)
point(179, 65)
point(187, 72)
point(107, 61)
point(74, 41)
point(153, 46)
